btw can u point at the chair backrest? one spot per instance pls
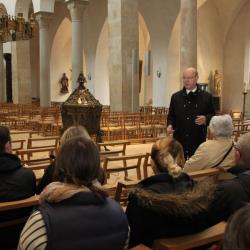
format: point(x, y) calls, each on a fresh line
point(122, 191)
point(123, 163)
point(112, 148)
point(17, 145)
point(210, 235)
point(208, 172)
point(43, 142)
point(36, 156)
point(15, 205)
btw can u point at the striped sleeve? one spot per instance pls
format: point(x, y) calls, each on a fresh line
point(34, 235)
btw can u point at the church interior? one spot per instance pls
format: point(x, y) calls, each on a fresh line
point(118, 62)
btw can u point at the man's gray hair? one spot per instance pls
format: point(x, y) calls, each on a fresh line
point(221, 126)
point(243, 145)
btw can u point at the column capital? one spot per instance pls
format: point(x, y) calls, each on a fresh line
point(43, 19)
point(76, 8)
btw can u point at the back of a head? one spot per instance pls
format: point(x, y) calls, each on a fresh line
point(78, 162)
point(221, 126)
point(73, 132)
point(243, 146)
point(4, 138)
point(237, 236)
point(166, 154)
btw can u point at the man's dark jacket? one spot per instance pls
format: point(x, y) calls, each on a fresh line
point(183, 110)
point(231, 195)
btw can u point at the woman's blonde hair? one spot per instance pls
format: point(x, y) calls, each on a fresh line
point(167, 156)
point(72, 132)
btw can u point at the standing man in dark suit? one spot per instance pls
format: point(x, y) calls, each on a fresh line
point(189, 114)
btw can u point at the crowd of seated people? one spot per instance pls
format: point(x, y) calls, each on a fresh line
point(73, 206)
point(174, 204)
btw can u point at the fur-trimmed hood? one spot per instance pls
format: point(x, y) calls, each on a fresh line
point(176, 203)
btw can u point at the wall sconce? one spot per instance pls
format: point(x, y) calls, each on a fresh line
point(158, 73)
point(89, 76)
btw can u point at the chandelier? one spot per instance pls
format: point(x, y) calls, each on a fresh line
point(16, 28)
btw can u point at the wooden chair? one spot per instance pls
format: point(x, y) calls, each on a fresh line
point(208, 236)
point(122, 191)
point(120, 164)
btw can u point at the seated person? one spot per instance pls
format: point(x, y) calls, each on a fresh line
point(169, 203)
point(230, 195)
point(237, 236)
point(74, 212)
point(217, 152)
point(16, 183)
point(68, 134)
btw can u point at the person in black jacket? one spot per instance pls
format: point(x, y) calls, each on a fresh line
point(16, 182)
point(170, 203)
point(232, 194)
point(189, 113)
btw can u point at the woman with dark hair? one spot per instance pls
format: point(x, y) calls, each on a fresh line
point(237, 235)
point(169, 203)
point(74, 212)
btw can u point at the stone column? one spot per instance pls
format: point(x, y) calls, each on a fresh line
point(2, 74)
point(188, 42)
point(123, 55)
point(43, 19)
point(21, 72)
point(76, 8)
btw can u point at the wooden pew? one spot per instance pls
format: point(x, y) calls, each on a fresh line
point(208, 236)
